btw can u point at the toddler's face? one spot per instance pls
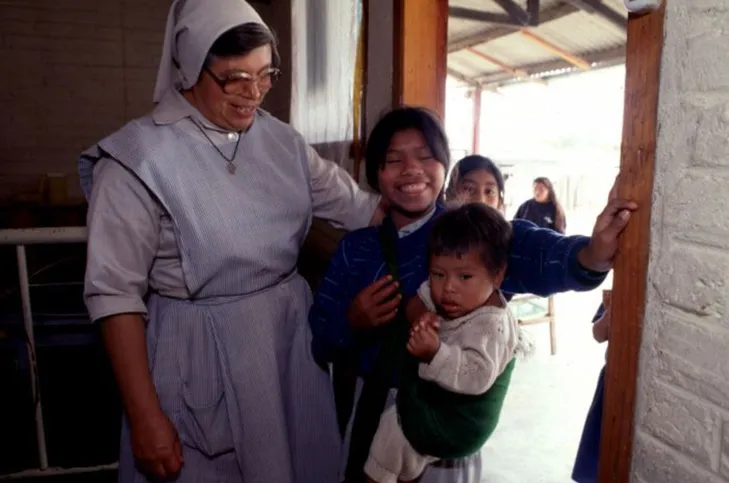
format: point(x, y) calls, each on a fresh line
point(460, 285)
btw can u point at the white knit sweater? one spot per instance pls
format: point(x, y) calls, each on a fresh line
point(474, 348)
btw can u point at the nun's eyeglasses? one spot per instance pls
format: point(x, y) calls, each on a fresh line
point(243, 81)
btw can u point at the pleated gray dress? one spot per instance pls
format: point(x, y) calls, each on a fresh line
point(210, 259)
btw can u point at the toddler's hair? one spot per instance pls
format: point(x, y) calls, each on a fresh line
point(469, 227)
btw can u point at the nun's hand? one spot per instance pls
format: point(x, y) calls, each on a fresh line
point(156, 446)
point(599, 254)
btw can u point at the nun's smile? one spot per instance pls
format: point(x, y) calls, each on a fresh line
point(230, 89)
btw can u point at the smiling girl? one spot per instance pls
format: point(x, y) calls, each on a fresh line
point(358, 312)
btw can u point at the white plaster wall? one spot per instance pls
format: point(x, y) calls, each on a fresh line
point(682, 415)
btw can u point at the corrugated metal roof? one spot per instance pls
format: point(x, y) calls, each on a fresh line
point(582, 32)
point(587, 36)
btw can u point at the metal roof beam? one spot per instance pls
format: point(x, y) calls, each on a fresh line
point(516, 72)
point(461, 77)
point(516, 13)
point(597, 7)
point(481, 16)
point(603, 58)
point(553, 13)
point(573, 59)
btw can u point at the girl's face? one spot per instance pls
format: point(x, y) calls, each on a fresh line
point(541, 193)
point(479, 186)
point(411, 178)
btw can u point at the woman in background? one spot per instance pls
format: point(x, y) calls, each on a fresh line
point(588, 453)
point(544, 210)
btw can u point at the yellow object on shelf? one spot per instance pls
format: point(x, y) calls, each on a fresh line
point(54, 188)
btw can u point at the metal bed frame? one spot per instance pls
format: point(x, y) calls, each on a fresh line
point(20, 238)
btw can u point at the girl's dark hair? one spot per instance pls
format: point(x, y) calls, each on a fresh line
point(475, 162)
point(243, 39)
point(469, 227)
point(560, 222)
point(401, 119)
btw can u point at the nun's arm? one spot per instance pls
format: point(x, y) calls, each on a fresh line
point(336, 197)
point(123, 223)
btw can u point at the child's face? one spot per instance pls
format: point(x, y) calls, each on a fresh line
point(411, 177)
point(460, 285)
point(479, 186)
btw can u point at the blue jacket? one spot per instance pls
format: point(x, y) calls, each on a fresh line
point(541, 262)
point(588, 453)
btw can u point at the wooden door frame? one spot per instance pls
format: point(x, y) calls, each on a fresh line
point(637, 167)
point(420, 53)
point(419, 74)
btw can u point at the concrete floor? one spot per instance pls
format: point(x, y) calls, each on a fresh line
point(546, 406)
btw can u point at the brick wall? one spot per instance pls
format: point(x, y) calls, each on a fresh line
point(72, 71)
point(682, 432)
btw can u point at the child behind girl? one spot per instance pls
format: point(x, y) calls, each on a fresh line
point(588, 452)
point(461, 353)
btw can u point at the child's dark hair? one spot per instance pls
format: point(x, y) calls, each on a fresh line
point(401, 119)
point(469, 227)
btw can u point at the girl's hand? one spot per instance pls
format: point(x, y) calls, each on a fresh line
point(375, 304)
point(598, 255)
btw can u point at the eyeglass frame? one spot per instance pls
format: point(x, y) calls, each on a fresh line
point(274, 72)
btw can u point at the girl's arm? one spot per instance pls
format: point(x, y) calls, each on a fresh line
point(543, 262)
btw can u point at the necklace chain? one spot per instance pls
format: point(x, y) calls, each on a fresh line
point(231, 165)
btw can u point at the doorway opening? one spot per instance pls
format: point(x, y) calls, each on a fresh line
point(538, 87)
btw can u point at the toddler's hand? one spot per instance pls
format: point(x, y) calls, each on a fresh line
point(428, 319)
point(424, 342)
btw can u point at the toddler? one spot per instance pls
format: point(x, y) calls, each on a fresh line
point(460, 354)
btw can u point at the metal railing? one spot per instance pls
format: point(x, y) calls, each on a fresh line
point(40, 236)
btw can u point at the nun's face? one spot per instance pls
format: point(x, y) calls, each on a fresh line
point(231, 88)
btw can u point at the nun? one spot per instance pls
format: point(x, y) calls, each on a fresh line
point(197, 212)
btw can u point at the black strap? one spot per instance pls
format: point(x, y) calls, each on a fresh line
point(389, 362)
